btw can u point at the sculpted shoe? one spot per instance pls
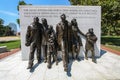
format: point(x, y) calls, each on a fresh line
point(49, 66)
point(68, 61)
point(65, 69)
point(86, 58)
point(30, 66)
point(57, 63)
point(93, 60)
point(73, 58)
point(78, 58)
point(45, 61)
point(39, 62)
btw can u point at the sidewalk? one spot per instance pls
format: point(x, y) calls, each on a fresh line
point(106, 68)
point(9, 38)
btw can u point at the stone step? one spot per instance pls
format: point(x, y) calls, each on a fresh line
point(3, 49)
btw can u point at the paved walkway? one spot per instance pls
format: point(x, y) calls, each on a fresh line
point(106, 68)
point(9, 38)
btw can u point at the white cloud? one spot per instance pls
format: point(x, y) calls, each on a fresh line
point(8, 13)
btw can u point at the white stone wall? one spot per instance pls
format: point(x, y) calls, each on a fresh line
point(87, 17)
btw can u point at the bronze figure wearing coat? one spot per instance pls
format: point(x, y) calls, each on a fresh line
point(44, 41)
point(51, 43)
point(62, 32)
point(76, 39)
point(34, 40)
point(90, 41)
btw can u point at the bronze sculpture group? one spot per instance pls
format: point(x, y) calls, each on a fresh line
point(65, 39)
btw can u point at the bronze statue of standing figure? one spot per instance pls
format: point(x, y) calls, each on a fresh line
point(34, 40)
point(90, 41)
point(62, 32)
point(76, 39)
point(51, 44)
point(44, 41)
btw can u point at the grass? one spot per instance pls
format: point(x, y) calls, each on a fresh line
point(117, 48)
point(112, 42)
point(11, 44)
point(117, 37)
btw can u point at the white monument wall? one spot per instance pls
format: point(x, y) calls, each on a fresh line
point(87, 17)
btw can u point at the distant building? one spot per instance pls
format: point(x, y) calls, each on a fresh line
point(13, 27)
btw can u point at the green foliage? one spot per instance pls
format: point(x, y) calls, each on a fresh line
point(21, 3)
point(8, 31)
point(11, 44)
point(110, 40)
point(1, 21)
point(110, 14)
point(18, 21)
point(5, 30)
point(2, 30)
point(1, 27)
point(113, 47)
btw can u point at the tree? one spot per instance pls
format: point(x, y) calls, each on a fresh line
point(21, 3)
point(1, 21)
point(5, 30)
point(8, 31)
point(83, 2)
point(110, 14)
point(18, 21)
point(1, 27)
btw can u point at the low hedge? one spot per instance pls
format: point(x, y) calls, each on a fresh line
point(110, 40)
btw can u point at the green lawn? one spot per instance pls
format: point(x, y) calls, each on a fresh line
point(113, 47)
point(11, 44)
point(112, 42)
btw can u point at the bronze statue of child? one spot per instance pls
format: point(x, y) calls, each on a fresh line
point(90, 41)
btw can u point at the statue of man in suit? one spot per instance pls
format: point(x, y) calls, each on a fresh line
point(34, 40)
point(62, 32)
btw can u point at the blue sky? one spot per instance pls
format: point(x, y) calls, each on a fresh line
point(9, 13)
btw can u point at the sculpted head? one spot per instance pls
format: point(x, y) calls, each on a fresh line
point(90, 30)
point(36, 19)
point(74, 22)
point(44, 21)
point(63, 17)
